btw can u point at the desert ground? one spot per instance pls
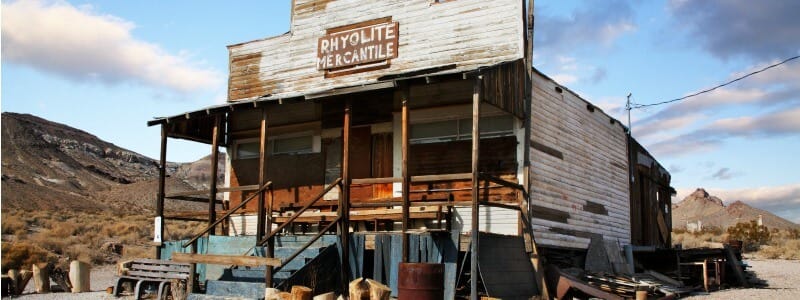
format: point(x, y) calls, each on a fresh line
point(782, 277)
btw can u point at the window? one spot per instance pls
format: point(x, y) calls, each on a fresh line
point(291, 144)
point(461, 129)
point(247, 150)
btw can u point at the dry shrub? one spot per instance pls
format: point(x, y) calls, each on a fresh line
point(783, 245)
point(702, 239)
point(13, 224)
point(21, 255)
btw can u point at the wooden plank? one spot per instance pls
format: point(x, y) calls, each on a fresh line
point(162, 268)
point(235, 260)
point(376, 180)
point(157, 275)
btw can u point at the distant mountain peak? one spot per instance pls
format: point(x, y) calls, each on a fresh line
point(700, 194)
point(711, 211)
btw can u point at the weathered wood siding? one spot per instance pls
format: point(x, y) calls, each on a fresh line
point(466, 33)
point(579, 186)
point(490, 219)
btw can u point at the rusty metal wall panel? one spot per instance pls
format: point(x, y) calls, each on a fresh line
point(582, 178)
point(467, 33)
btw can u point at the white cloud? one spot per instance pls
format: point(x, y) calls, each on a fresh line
point(709, 137)
point(564, 79)
point(80, 44)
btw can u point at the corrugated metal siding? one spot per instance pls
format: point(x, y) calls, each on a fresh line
point(491, 219)
point(468, 33)
point(579, 184)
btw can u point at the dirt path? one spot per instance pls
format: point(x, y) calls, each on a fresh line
point(782, 276)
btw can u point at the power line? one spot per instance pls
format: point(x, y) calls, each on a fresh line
point(637, 106)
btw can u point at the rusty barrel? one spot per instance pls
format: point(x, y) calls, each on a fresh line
point(420, 281)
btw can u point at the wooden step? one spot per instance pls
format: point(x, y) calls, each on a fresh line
point(216, 259)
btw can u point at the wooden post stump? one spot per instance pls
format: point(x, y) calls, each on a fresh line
point(300, 292)
point(177, 289)
point(41, 278)
point(359, 289)
point(79, 276)
point(378, 291)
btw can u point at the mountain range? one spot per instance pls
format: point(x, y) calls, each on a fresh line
point(51, 166)
point(712, 211)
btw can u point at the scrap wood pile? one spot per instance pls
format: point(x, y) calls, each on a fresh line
point(360, 289)
point(653, 283)
point(575, 282)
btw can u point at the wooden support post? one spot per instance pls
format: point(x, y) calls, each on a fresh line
point(476, 141)
point(212, 197)
point(264, 213)
point(162, 177)
point(190, 283)
point(344, 200)
point(406, 178)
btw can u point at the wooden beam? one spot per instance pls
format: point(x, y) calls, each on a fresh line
point(212, 194)
point(406, 177)
point(376, 180)
point(443, 177)
point(215, 259)
point(219, 190)
point(162, 177)
point(476, 137)
point(193, 199)
point(344, 200)
point(263, 218)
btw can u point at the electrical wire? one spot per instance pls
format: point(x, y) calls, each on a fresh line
point(638, 106)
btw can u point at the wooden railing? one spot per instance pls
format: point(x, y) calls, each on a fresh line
point(197, 236)
point(327, 189)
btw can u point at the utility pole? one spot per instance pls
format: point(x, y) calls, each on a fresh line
point(628, 108)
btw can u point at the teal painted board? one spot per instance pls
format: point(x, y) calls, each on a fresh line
point(226, 245)
point(377, 260)
point(394, 262)
point(413, 248)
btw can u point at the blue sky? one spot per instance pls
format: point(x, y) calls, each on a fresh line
point(109, 66)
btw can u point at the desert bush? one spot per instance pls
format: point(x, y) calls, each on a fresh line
point(752, 234)
point(21, 255)
point(13, 224)
point(783, 245)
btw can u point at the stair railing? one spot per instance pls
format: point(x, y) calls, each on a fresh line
point(300, 212)
point(267, 185)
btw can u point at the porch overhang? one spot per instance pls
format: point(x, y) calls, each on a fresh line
point(197, 125)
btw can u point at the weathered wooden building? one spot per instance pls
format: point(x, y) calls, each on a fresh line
point(415, 117)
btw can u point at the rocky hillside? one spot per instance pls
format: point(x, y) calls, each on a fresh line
point(711, 211)
point(50, 166)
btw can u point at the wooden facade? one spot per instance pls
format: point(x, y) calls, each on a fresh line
point(452, 131)
point(459, 35)
point(579, 175)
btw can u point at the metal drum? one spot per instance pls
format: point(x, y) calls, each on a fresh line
point(420, 281)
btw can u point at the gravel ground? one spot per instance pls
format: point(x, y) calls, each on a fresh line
point(102, 278)
point(782, 276)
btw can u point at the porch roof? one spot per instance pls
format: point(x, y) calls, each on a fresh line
point(197, 125)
